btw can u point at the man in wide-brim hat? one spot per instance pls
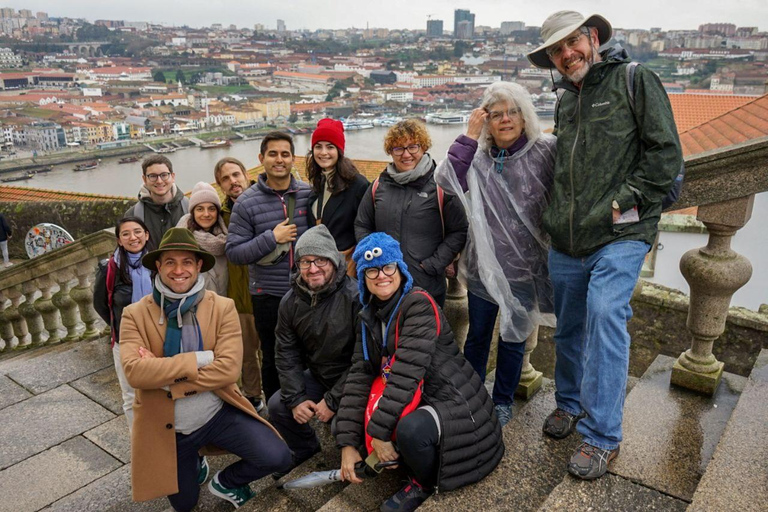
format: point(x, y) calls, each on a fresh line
point(181, 350)
point(617, 156)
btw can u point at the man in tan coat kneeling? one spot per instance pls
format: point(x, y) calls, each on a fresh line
point(182, 351)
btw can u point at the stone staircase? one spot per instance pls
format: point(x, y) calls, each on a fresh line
point(64, 447)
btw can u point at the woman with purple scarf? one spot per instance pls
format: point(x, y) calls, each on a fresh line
point(502, 170)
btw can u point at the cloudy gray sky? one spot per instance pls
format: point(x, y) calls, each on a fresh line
point(313, 14)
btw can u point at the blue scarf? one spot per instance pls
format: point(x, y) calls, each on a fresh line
point(141, 278)
point(175, 307)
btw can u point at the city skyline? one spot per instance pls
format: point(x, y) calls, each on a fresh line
point(302, 14)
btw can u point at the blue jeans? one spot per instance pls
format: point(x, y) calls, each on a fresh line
point(591, 341)
point(509, 361)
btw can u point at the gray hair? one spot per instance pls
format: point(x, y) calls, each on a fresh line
point(514, 95)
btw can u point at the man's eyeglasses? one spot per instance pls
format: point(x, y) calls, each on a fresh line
point(373, 272)
point(412, 149)
point(497, 115)
point(164, 176)
point(319, 263)
point(571, 41)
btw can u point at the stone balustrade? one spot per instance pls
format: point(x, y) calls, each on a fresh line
point(722, 183)
point(49, 299)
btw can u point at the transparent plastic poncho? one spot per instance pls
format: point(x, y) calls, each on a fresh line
point(505, 258)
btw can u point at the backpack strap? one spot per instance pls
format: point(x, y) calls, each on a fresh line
point(434, 309)
point(630, 78)
point(138, 210)
point(374, 186)
point(185, 205)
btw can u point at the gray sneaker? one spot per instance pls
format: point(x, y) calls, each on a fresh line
point(503, 413)
point(589, 462)
point(560, 424)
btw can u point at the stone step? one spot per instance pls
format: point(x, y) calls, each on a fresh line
point(271, 497)
point(608, 493)
point(671, 433)
point(367, 496)
point(532, 466)
point(737, 476)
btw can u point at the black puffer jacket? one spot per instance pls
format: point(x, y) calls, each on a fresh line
point(471, 445)
point(411, 215)
point(316, 331)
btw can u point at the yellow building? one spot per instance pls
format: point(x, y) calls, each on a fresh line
point(273, 108)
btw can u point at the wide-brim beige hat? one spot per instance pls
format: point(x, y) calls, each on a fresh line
point(559, 25)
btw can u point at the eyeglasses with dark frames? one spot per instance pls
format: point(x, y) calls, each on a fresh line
point(412, 149)
point(388, 270)
point(319, 263)
point(163, 176)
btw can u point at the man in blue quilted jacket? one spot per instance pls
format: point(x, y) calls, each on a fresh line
point(266, 221)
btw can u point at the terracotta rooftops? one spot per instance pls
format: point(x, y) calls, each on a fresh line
point(746, 122)
point(693, 109)
point(28, 195)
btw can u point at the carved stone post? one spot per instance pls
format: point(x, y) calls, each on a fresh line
point(50, 313)
point(14, 315)
point(455, 310)
point(530, 379)
point(65, 304)
point(83, 295)
point(714, 273)
point(6, 329)
point(30, 314)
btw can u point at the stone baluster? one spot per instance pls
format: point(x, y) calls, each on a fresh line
point(14, 315)
point(63, 301)
point(31, 315)
point(714, 273)
point(455, 310)
point(50, 313)
point(6, 329)
point(83, 295)
point(530, 379)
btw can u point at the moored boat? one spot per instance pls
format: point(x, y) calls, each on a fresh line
point(87, 166)
point(216, 143)
point(128, 160)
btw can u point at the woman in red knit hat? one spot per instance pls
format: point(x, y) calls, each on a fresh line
point(337, 187)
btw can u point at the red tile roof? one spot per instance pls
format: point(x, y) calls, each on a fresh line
point(29, 195)
point(694, 109)
point(741, 124)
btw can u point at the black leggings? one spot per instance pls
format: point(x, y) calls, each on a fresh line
point(418, 442)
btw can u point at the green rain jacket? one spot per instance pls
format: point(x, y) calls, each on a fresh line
point(237, 288)
point(607, 152)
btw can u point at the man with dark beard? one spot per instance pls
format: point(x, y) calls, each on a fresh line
point(315, 338)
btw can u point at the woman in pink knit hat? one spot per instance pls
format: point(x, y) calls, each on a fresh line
point(337, 187)
point(206, 224)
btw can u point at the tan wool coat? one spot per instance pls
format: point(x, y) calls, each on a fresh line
point(153, 440)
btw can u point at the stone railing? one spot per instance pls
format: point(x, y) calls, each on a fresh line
point(49, 299)
point(723, 184)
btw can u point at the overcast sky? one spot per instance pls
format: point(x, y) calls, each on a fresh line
point(306, 14)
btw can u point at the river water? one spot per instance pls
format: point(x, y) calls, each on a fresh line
point(193, 165)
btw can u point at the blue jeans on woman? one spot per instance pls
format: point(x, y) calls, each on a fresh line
point(509, 361)
point(591, 341)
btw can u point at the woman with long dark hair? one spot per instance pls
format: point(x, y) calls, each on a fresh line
point(337, 187)
point(120, 281)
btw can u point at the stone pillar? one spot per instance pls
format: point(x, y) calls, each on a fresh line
point(18, 322)
point(455, 310)
point(714, 273)
point(49, 312)
point(530, 379)
point(65, 304)
point(82, 294)
point(30, 314)
point(6, 329)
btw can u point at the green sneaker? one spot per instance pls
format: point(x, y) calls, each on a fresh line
point(237, 496)
point(205, 471)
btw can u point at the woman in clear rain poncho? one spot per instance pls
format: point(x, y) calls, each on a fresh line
point(505, 165)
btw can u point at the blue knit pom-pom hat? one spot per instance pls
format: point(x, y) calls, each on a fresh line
point(376, 250)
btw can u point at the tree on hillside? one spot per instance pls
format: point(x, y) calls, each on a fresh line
point(307, 115)
point(158, 76)
point(180, 76)
point(293, 117)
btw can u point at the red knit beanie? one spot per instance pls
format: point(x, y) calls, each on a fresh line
point(329, 130)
